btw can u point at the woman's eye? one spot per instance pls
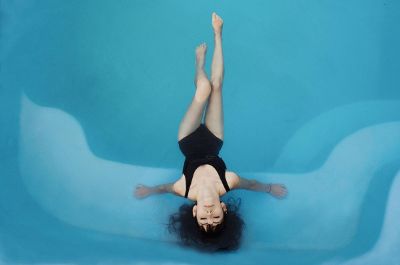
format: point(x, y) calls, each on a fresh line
point(216, 217)
point(203, 218)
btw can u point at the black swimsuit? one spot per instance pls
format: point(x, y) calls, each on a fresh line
point(202, 147)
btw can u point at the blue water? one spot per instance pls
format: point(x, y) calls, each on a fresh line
point(92, 93)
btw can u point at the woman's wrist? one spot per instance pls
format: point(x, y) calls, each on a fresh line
point(268, 188)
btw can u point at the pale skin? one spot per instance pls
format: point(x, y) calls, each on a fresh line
point(206, 187)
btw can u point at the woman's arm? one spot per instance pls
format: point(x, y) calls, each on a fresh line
point(177, 188)
point(237, 182)
point(143, 191)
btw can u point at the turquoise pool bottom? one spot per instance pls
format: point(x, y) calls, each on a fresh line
point(42, 238)
point(56, 209)
point(319, 93)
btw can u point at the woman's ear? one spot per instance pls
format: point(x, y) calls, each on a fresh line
point(224, 208)
point(194, 210)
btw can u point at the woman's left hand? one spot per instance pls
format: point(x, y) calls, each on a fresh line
point(142, 191)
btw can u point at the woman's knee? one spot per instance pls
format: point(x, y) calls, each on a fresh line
point(203, 83)
point(216, 85)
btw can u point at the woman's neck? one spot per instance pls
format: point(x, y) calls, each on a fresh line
point(206, 191)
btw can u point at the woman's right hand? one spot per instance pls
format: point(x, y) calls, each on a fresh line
point(142, 191)
point(278, 190)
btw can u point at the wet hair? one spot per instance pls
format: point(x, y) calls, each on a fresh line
point(223, 237)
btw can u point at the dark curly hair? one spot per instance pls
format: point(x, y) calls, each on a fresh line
point(224, 237)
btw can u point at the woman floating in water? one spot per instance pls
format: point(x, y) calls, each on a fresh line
point(209, 223)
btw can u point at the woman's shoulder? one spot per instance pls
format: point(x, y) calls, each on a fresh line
point(179, 186)
point(232, 178)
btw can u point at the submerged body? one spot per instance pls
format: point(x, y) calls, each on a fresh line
point(204, 176)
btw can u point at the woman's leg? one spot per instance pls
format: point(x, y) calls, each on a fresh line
point(214, 114)
point(192, 119)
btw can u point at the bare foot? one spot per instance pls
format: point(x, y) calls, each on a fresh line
point(201, 81)
point(200, 54)
point(217, 23)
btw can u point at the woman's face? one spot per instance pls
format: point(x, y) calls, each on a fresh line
point(209, 213)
